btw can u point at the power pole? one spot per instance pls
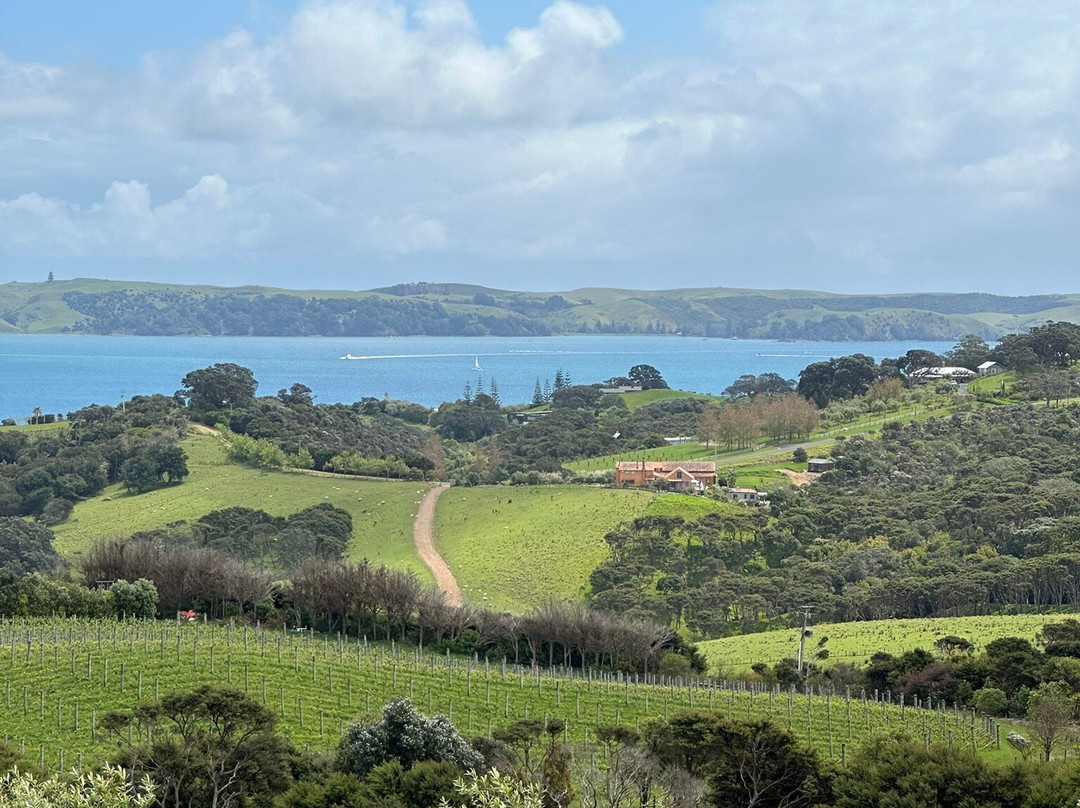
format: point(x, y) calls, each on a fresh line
point(806, 632)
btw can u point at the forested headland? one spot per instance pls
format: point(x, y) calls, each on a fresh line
point(114, 307)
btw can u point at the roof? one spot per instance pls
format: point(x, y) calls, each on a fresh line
point(942, 372)
point(743, 491)
point(987, 364)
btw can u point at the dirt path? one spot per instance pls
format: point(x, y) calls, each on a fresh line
point(424, 539)
point(799, 477)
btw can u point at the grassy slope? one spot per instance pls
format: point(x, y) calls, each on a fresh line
point(382, 511)
point(642, 398)
point(855, 642)
point(54, 688)
point(512, 548)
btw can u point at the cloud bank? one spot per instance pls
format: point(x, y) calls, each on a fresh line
point(890, 146)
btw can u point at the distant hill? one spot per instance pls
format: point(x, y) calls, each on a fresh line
point(117, 307)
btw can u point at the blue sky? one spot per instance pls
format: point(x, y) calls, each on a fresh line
point(894, 146)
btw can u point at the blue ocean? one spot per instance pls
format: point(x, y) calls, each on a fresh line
point(61, 373)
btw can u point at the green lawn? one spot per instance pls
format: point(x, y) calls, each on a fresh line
point(513, 547)
point(855, 642)
point(642, 398)
point(382, 512)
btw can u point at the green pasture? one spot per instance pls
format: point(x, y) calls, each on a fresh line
point(59, 677)
point(55, 426)
point(513, 548)
point(992, 385)
point(382, 512)
point(762, 476)
point(642, 398)
point(678, 451)
point(855, 642)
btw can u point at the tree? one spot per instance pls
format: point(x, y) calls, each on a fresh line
point(647, 377)
point(895, 771)
point(1050, 716)
point(744, 763)
point(139, 599)
point(494, 790)
point(50, 279)
point(404, 735)
point(538, 394)
point(298, 395)
point(25, 547)
point(220, 386)
point(215, 747)
point(969, 352)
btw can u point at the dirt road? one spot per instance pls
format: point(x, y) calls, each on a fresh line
point(424, 539)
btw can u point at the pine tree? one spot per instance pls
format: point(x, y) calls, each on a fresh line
point(560, 381)
point(494, 391)
point(547, 390)
point(538, 394)
point(467, 396)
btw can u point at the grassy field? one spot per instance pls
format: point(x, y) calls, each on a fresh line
point(679, 451)
point(55, 426)
point(382, 512)
point(855, 642)
point(57, 678)
point(512, 548)
point(642, 398)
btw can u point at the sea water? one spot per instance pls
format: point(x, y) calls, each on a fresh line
point(61, 373)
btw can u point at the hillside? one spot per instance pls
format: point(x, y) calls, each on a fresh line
point(382, 512)
point(853, 643)
point(61, 676)
point(114, 307)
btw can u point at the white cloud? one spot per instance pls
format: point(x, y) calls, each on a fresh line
point(830, 143)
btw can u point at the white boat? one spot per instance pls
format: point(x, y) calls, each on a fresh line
point(350, 356)
point(476, 363)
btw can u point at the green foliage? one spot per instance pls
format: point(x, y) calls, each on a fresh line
point(896, 771)
point(495, 790)
point(221, 386)
point(138, 600)
point(210, 746)
point(152, 466)
point(646, 377)
point(743, 762)
point(107, 789)
point(25, 546)
point(990, 701)
point(469, 421)
point(405, 736)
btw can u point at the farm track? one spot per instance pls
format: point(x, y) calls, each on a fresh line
point(424, 539)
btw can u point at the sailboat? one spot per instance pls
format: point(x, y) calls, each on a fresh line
point(476, 363)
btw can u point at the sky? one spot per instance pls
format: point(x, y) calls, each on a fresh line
point(892, 146)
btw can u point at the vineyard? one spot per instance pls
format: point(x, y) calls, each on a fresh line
point(855, 642)
point(58, 678)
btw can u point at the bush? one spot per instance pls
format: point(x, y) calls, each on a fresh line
point(404, 735)
point(799, 455)
point(991, 701)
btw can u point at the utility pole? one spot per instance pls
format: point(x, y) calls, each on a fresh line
point(806, 632)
